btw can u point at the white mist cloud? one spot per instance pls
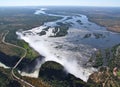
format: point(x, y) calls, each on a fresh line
point(45, 47)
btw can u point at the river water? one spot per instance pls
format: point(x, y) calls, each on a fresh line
point(73, 50)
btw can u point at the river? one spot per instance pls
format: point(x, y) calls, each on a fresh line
point(73, 50)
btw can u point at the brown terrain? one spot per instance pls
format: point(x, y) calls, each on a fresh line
point(111, 25)
point(7, 49)
point(104, 78)
point(107, 17)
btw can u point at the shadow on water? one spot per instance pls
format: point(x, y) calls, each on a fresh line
point(10, 61)
point(25, 65)
point(32, 65)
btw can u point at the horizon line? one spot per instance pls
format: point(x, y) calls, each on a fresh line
point(54, 6)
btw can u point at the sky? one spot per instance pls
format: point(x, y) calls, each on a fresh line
point(104, 3)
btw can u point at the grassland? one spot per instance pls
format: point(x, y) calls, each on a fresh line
point(108, 17)
point(8, 49)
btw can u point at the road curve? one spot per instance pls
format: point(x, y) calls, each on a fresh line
point(12, 72)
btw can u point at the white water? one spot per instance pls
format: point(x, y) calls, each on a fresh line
point(73, 57)
point(4, 66)
point(41, 11)
point(34, 74)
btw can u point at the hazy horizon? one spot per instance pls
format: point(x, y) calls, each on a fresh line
point(93, 3)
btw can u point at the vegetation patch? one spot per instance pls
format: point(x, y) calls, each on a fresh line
point(31, 54)
point(118, 73)
point(98, 59)
point(87, 36)
point(54, 74)
point(79, 21)
point(6, 80)
point(61, 30)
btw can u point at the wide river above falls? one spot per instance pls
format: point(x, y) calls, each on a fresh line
point(74, 49)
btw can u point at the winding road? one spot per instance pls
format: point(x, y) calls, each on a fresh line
point(12, 72)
